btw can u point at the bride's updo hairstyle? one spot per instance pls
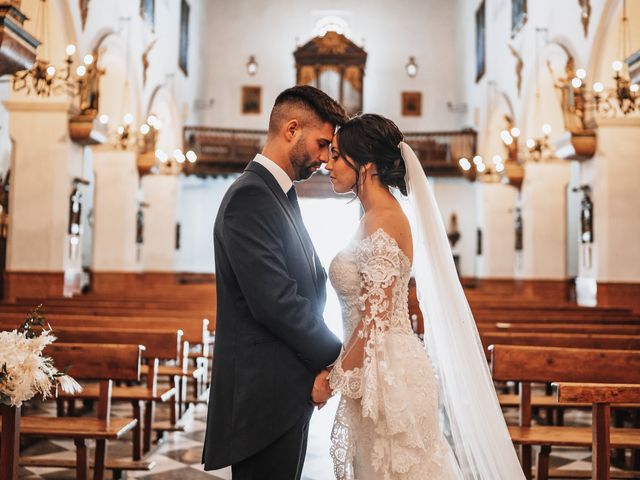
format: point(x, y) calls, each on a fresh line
point(371, 138)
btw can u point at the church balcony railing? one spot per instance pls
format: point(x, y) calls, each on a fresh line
point(223, 151)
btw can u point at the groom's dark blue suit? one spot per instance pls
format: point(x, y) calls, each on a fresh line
point(271, 339)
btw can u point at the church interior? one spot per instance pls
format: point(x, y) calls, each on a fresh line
point(129, 119)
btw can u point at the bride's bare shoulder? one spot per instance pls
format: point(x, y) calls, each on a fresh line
point(395, 224)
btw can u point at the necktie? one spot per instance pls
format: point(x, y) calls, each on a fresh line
point(293, 200)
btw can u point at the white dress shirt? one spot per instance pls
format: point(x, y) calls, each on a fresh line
point(278, 173)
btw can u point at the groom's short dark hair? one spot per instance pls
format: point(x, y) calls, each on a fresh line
point(309, 99)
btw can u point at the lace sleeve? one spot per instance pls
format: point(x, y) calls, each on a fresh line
point(361, 363)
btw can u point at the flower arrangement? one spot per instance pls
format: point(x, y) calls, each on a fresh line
point(24, 371)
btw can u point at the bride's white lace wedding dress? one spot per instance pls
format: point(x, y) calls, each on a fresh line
point(387, 424)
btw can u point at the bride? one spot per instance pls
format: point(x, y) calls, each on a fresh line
point(388, 426)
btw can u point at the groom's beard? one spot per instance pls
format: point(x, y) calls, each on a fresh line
point(301, 160)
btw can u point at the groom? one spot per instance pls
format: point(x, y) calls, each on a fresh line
point(272, 345)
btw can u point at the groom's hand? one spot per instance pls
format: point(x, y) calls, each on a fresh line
point(321, 391)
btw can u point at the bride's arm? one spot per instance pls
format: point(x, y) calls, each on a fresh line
point(377, 278)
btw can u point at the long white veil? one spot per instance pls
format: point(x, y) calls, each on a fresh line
point(481, 441)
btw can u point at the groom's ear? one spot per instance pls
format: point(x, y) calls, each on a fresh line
point(290, 129)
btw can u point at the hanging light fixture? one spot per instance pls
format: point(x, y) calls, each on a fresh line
point(625, 97)
point(539, 148)
point(44, 78)
point(175, 163)
point(252, 66)
point(411, 67)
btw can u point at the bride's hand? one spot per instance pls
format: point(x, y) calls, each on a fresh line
point(321, 391)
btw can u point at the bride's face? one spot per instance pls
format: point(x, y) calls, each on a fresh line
point(343, 177)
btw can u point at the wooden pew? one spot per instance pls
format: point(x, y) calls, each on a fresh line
point(612, 329)
point(526, 364)
point(195, 331)
point(549, 402)
point(113, 310)
point(105, 363)
point(601, 397)
point(160, 345)
point(575, 340)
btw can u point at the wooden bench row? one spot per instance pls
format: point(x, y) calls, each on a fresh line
point(102, 362)
point(527, 364)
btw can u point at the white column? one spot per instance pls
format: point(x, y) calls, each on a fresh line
point(159, 251)
point(544, 220)
point(45, 161)
point(613, 175)
point(495, 206)
point(114, 211)
point(457, 195)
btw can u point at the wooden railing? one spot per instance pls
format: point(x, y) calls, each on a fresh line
point(226, 150)
point(439, 152)
point(222, 150)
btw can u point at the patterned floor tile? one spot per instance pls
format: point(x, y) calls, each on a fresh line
point(42, 448)
point(188, 456)
point(179, 474)
point(198, 435)
point(222, 474)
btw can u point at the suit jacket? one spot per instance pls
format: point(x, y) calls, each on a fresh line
point(271, 339)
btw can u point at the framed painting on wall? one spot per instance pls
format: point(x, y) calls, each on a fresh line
point(480, 42)
point(183, 52)
point(251, 97)
point(411, 104)
point(518, 15)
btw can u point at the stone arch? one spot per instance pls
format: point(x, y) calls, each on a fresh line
point(120, 87)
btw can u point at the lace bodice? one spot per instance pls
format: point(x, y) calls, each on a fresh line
point(362, 272)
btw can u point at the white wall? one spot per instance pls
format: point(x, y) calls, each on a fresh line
point(115, 207)
point(389, 32)
point(160, 194)
point(198, 203)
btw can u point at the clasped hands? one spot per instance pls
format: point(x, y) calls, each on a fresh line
point(321, 391)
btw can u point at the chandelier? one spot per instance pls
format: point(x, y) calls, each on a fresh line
point(143, 140)
point(622, 99)
point(539, 148)
point(126, 136)
point(490, 171)
point(44, 78)
point(175, 163)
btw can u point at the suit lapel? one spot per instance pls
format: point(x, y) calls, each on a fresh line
point(288, 208)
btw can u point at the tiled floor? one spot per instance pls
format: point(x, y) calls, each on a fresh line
point(178, 456)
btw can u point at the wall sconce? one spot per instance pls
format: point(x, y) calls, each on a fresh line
point(411, 67)
point(252, 66)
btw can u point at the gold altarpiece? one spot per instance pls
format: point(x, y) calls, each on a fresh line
point(335, 65)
